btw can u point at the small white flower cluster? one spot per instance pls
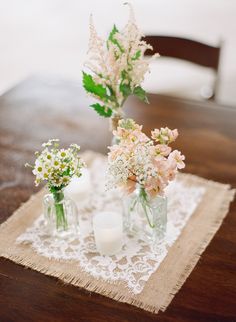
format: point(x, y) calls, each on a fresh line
point(57, 166)
point(118, 64)
point(118, 172)
point(142, 165)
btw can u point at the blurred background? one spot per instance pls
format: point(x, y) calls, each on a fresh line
point(50, 38)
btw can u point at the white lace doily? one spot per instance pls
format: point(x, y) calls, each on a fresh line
point(137, 260)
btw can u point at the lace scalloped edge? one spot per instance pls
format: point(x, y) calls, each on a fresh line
point(96, 285)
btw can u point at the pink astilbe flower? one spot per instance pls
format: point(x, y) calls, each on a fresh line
point(138, 159)
point(118, 65)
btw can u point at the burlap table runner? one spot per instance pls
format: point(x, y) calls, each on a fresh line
point(162, 286)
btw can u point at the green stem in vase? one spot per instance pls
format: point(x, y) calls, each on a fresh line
point(145, 204)
point(61, 220)
point(133, 204)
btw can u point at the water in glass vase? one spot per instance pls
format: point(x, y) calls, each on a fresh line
point(145, 215)
point(60, 214)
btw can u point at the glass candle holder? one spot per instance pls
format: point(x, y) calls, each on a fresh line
point(108, 232)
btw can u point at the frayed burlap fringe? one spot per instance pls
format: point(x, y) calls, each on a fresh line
point(215, 225)
point(162, 286)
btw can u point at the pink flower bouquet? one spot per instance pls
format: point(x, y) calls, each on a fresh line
point(140, 160)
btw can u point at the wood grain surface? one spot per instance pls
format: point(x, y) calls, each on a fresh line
point(38, 109)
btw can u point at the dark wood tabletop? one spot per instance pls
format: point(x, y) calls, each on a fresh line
point(39, 109)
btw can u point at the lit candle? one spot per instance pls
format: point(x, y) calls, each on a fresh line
point(108, 232)
point(79, 187)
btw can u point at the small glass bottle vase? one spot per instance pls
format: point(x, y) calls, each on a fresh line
point(145, 215)
point(60, 214)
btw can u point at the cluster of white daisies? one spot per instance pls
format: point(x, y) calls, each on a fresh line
point(57, 166)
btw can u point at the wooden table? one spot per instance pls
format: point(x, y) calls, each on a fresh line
point(39, 109)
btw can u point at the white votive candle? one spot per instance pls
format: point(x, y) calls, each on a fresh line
point(108, 232)
point(78, 187)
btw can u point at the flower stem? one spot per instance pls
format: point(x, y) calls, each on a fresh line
point(145, 205)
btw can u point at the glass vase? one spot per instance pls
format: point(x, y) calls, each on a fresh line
point(145, 215)
point(60, 214)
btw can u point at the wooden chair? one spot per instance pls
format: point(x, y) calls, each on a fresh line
point(189, 50)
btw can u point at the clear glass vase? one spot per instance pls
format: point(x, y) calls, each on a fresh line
point(145, 215)
point(60, 214)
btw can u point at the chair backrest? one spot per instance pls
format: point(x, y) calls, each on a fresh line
point(187, 49)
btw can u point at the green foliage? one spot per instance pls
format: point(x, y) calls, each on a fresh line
point(113, 40)
point(141, 94)
point(67, 172)
point(54, 189)
point(93, 88)
point(137, 55)
point(102, 110)
point(125, 90)
point(124, 75)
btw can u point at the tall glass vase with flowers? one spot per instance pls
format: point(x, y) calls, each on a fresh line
point(117, 68)
point(143, 167)
point(57, 167)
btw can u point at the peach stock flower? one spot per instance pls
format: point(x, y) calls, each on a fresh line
point(138, 159)
point(178, 158)
point(164, 135)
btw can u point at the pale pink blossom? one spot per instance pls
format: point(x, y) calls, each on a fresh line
point(178, 158)
point(162, 149)
point(130, 184)
point(164, 135)
point(154, 186)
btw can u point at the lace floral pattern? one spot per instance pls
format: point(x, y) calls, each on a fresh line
point(137, 260)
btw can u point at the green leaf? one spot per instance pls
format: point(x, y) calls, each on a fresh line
point(91, 87)
point(112, 33)
point(111, 97)
point(112, 39)
point(102, 110)
point(141, 94)
point(54, 189)
point(125, 90)
point(66, 172)
point(137, 55)
point(124, 75)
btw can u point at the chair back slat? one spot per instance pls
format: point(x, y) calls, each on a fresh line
point(189, 50)
point(185, 49)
